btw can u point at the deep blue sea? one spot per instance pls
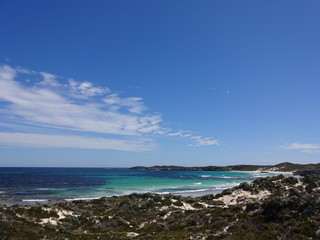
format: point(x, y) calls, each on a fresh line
point(32, 185)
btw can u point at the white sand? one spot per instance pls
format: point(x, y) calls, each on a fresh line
point(167, 215)
point(49, 220)
point(206, 205)
point(142, 225)
point(241, 196)
point(132, 234)
point(61, 215)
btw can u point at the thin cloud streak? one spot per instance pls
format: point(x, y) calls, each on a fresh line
point(67, 141)
point(199, 140)
point(303, 147)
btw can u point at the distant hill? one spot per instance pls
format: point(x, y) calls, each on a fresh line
point(281, 167)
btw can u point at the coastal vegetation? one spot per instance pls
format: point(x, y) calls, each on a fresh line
point(284, 167)
point(268, 208)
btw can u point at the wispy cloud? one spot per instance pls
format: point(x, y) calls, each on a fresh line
point(303, 147)
point(179, 133)
point(68, 141)
point(49, 79)
point(133, 104)
point(40, 105)
point(203, 141)
point(53, 102)
point(85, 89)
point(198, 140)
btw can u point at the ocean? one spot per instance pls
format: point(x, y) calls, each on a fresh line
point(35, 185)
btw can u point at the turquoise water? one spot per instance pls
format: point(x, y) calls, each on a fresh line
point(30, 185)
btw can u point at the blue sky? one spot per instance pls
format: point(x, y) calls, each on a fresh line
point(125, 83)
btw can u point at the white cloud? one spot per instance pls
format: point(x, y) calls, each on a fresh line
point(85, 89)
point(24, 70)
point(67, 141)
point(49, 79)
point(50, 107)
point(304, 147)
point(7, 73)
point(176, 133)
point(66, 104)
point(199, 140)
point(134, 104)
point(203, 141)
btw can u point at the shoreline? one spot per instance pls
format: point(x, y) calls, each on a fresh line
point(193, 193)
point(199, 188)
point(277, 203)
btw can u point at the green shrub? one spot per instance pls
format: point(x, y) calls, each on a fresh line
point(290, 180)
point(311, 186)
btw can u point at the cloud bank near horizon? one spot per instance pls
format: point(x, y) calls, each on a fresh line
point(40, 109)
point(304, 147)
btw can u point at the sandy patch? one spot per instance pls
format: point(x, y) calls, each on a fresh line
point(48, 220)
point(241, 196)
point(61, 215)
point(142, 225)
point(167, 215)
point(132, 234)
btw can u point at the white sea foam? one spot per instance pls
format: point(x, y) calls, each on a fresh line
point(194, 190)
point(45, 189)
point(83, 198)
point(220, 188)
point(197, 183)
point(225, 177)
point(34, 200)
